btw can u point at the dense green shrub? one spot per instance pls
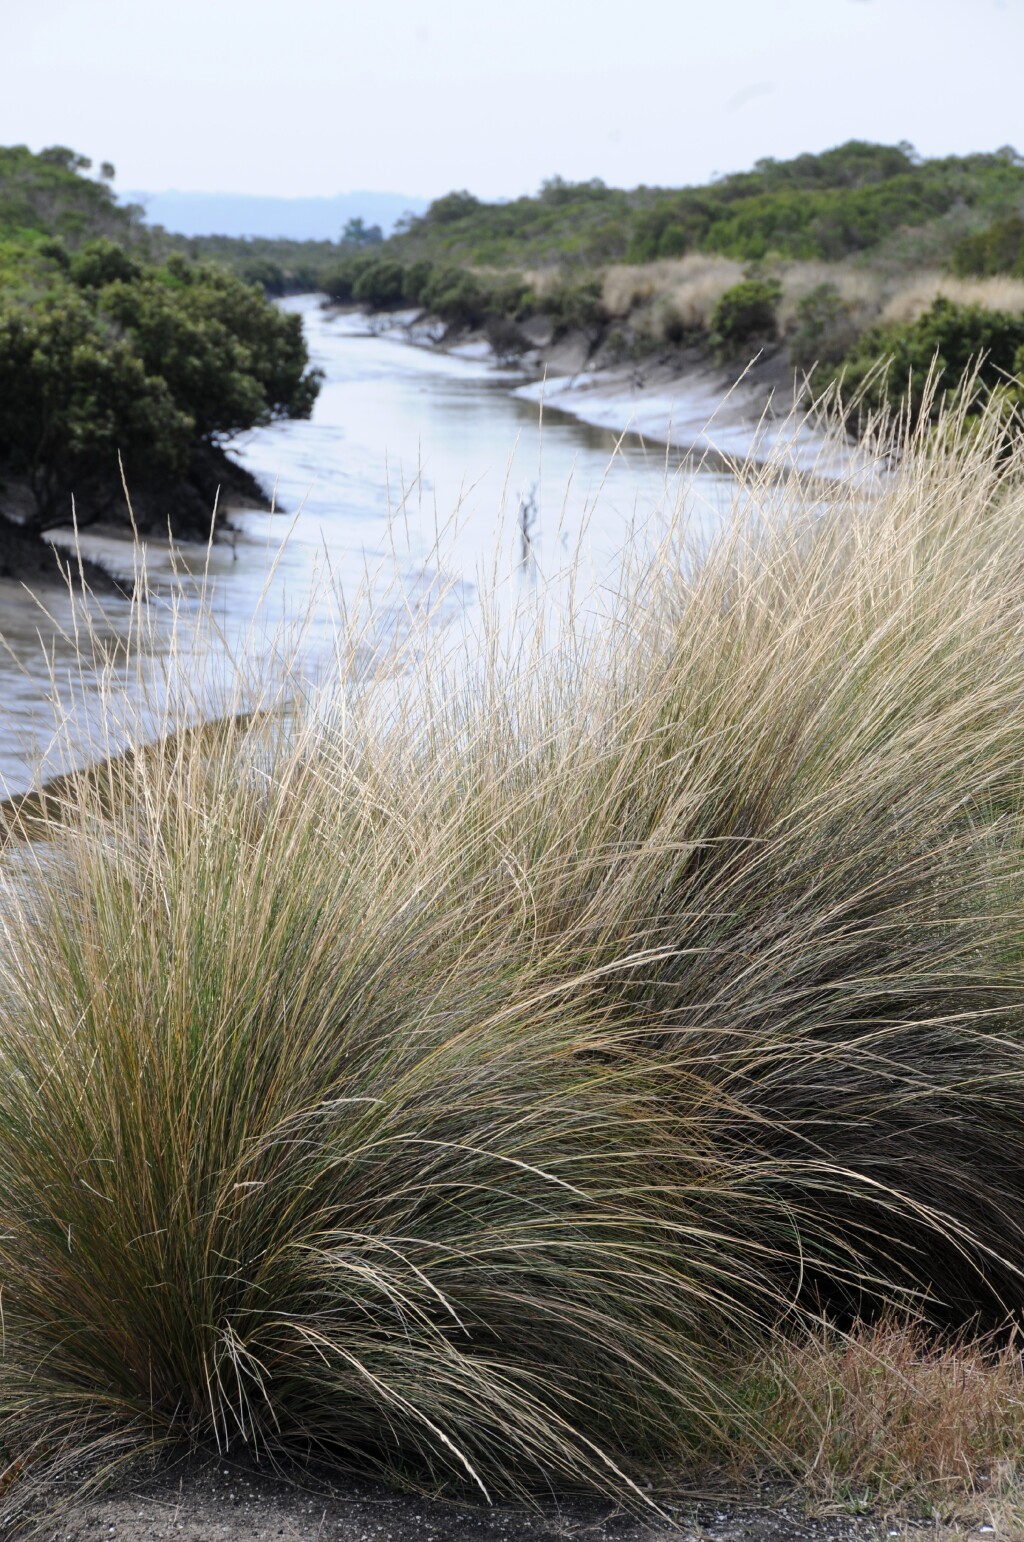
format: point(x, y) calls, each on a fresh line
point(72, 398)
point(417, 280)
point(744, 319)
point(102, 262)
point(829, 224)
point(377, 282)
point(138, 359)
point(511, 297)
point(824, 328)
point(339, 282)
point(269, 275)
point(844, 201)
point(380, 286)
point(999, 249)
point(453, 206)
point(337, 285)
point(230, 360)
point(575, 306)
point(457, 297)
point(104, 354)
point(279, 266)
point(913, 366)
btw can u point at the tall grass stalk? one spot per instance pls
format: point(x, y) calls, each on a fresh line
point(455, 1081)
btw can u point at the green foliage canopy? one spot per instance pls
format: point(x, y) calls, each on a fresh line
point(997, 249)
point(840, 203)
point(101, 354)
point(825, 328)
point(911, 366)
point(73, 396)
point(47, 194)
point(744, 319)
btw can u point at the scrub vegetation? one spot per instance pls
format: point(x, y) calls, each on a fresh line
point(826, 263)
point(584, 1062)
point(106, 352)
point(826, 207)
point(122, 337)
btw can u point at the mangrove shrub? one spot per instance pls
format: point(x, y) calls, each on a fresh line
point(117, 356)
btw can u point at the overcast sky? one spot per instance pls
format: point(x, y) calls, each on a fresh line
point(325, 96)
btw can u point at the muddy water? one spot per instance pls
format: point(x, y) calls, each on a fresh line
point(414, 471)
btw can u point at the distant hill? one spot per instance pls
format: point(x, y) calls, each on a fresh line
point(294, 219)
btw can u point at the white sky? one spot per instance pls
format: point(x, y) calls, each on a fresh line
point(326, 96)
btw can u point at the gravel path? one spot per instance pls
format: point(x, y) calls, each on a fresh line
point(211, 1501)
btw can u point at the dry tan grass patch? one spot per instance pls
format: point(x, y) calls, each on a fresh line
point(859, 290)
point(690, 285)
point(912, 298)
point(688, 288)
point(889, 1413)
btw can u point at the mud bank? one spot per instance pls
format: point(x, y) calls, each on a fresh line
point(680, 398)
point(184, 509)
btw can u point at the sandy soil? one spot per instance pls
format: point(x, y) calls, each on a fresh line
point(214, 1501)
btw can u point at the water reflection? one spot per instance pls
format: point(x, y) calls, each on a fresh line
point(414, 468)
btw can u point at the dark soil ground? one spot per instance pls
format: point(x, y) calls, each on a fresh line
point(31, 560)
point(186, 509)
point(211, 1500)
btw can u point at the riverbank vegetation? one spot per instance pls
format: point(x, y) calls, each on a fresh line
point(826, 207)
point(826, 263)
point(115, 337)
point(111, 359)
point(854, 245)
point(588, 1063)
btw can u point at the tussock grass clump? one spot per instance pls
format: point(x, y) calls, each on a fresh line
point(458, 1082)
point(306, 1172)
point(689, 286)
